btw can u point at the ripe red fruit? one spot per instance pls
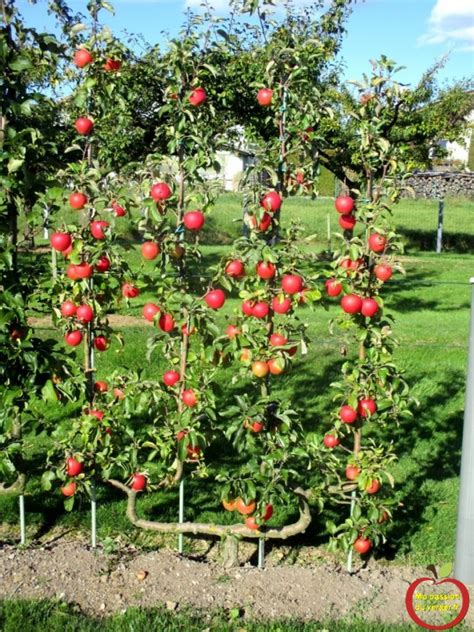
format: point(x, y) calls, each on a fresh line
point(84, 314)
point(197, 96)
point(138, 482)
point(180, 435)
point(103, 265)
point(69, 490)
point(166, 323)
point(260, 310)
point(83, 270)
point(373, 487)
point(98, 414)
point(352, 472)
point(101, 343)
point(299, 177)
point(362, 545)
point(377, 242)
point(78, 200)
point(118, 393)
point(193, 451)
point(82, 58)
point(251, 523)
point(281, 304)
point(68, 309)
point(188, 397)
point(101, 387)
point(347, 222)
point(231, 331)
point(84, 126)
point(247, 307)
point(118, 210)
point(129, 290)
point(245, 509)
point(265, 270)
point(278, 340)
point(276, 366)
point(170, 378)
point(333, 287)
point(344, 204)
point(160, 191)
point(73, 467)
point(369, 307)
point(291, 283)
point(112, 65)
point(271, 202)
point(347, 414)
point(351, 303)
point(73, 338)
point(268, 513)
point(260, 368)
point(68, 251)
point(367, 406)
point(330, 441)
point(264, 223)
point(60, 241)
point(97, 228)
point(215, 299)
point(194, 220)
point(235, 269)
point(255, 426)
point(150, 310)
point(264, 97)
point(383, 272)
point(150, 250)
point(349, 265)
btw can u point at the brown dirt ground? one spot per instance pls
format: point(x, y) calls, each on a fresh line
point(102, 583)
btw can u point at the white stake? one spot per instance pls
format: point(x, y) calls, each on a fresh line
point(21, 500)
point(181, 514)
point(349, 555)
point(93, 517)
point(261, 553)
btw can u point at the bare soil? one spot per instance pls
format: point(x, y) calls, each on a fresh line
point(102, 583)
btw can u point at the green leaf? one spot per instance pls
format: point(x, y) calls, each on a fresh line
point(21, 63)
point(14, 164)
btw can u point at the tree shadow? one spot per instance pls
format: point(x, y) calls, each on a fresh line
point(425, 240)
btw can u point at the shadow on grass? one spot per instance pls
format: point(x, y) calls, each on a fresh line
point(425, 240)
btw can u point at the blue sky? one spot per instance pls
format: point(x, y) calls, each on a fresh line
point(412, 32)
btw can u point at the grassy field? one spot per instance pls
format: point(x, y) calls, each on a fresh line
point(431, 309)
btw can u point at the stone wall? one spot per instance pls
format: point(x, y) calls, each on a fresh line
point(435, 184)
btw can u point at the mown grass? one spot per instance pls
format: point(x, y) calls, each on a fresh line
point(431, 310)
point(57, 616)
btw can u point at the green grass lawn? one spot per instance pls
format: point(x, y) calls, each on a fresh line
point(431, 309)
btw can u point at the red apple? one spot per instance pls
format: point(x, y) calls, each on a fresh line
point(118, 209)
point(98, 414)
point(264, 97)
point(102, 265)
point(278, 340)
point(362, 545)
point(281, 304)
point(82, 58)
point(352, 472)
point(171, 377)
point(276, 366)
point(347, 414)
point(166, 323)
point(215, 299)
point(351, 303)
point(194, 220)
point(197, 97)
point(377, 242)
point(60, 241)
point(291, 283)
point(260, 309)
point(118, 393)
point(347, 222)
point(78, 200)
point(84, 125)
point(271, 202)
point(101, 343)
point(188, 397)
point(330, 441)
point(97, 228)
point(344, 204)
point(68, 309)
point(160, 191)
point(231, 331)
point(73, 338)
point(333, 287)
point(369, 307)
point(129, 290)
point(84, 314)
point(383, 272)
point(69, 490)
point(265, 270)
point(138, 482)
point(150, 250)
point(235, 269)
point(150, 310)
point(264, 223)
point(73, 467)
point(367, 406)
point(112, 65)
point(247, 307)
point(373, 487)
point(101, 386)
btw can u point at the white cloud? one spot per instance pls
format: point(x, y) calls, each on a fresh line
point(451, 22)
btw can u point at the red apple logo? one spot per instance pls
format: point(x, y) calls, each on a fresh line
point(411, 597)
point(84, 125)
point(264, 97)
